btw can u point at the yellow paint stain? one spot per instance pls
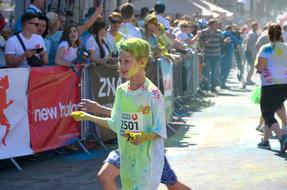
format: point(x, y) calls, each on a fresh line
point(146, 110)
point(279, 52)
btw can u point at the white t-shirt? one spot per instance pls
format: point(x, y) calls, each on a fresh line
point(140, 111)
point(92, 45)
point(130, 31)
point(275, 55)
point(13, 46)
point(164, 21)
point(111, 42)
point(70, 54)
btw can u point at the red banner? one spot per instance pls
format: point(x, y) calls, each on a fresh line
point(53, 94)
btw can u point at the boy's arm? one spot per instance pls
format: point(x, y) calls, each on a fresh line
point(83, 116)
point(94, 107)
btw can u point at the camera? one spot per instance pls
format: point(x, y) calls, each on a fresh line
point(115, 54)
point(38, 50)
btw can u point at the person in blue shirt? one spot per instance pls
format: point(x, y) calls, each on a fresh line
point(226, 62)
point(35, 7)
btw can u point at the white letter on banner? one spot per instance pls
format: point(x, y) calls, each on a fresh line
point(111, 86)
point(44, 114)
point(101, 91)
point(52, 112)
point(62, 109)
point(37, 115)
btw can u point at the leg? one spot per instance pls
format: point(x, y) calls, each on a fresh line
point(282, 115)
point(107, 176)
point(226, 63)
point(214, 66)
point(169, 178)
point(267, 133)
point(206, 71)
point(238, 57)
point(261, 121)
point(250, 64)
point(110, 171)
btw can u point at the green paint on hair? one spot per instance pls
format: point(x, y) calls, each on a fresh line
point(137, 47)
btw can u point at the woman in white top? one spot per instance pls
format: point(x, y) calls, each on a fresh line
point(69, 43)
point(271, 63)
point(96, 45)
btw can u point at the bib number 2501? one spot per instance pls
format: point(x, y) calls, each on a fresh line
point(132, 122)
point(130, 125)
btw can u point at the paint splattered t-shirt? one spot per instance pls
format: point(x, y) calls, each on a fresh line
point(275, 56)
point(142, 110)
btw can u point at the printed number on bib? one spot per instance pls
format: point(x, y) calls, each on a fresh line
point(132, 122)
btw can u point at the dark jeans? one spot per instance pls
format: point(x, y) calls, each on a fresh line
point(211, 70)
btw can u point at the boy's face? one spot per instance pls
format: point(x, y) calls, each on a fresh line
point(129, 65)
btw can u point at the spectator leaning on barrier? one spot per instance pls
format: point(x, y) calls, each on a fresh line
point(15, 55)
point(128, 28)
point(185, 33)
point(98, 49)
point(211, 39)
point(113, 36)
point(68, 47)
point(35, 7)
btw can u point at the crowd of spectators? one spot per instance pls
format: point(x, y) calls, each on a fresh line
point(55, 39)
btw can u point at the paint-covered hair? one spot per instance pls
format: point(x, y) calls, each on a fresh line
point(137, 47)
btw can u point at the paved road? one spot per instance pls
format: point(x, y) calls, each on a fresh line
point(218, 151)
point(215, 151)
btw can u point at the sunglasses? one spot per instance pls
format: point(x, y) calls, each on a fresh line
point(36, 24)
point(113, 21)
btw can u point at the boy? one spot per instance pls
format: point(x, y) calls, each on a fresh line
point(139, 108)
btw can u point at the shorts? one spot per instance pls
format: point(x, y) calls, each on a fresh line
point(272, 99)
point(168, 176)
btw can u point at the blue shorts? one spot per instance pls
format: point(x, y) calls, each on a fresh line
point(168, 176)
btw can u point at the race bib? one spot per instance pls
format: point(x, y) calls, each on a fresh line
point(132, 122)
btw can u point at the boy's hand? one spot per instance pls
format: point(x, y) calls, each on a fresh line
point(80, 115)
point(137, 138)
point(90, 106)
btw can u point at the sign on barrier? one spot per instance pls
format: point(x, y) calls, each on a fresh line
point(14, 127)
point(104, 82)
point(167, 72)
point(53, 94)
